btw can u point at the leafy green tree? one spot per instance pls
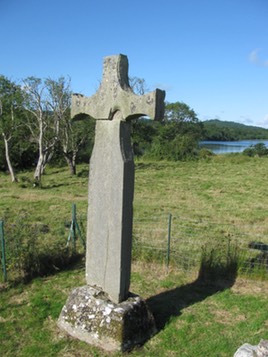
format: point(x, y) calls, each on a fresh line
point(180, 112)
point(218, 130)
point(179, 133)
point(256, 150)
point(171, 144)
point(143, 133)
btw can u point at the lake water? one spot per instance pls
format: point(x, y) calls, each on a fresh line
point(227, 147)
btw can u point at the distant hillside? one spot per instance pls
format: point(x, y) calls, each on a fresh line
point(229, 131)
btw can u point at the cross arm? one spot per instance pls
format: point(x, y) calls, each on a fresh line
point(130, 105)
point(115, 95)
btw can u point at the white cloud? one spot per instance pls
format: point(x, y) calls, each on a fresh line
point(255, 58)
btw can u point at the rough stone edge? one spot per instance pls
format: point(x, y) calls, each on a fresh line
point(106, 343)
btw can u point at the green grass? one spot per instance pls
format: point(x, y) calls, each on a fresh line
point(225, 189)
point(211, 201)
point(54, 198)
point(193, 319)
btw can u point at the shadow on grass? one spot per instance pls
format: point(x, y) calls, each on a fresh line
point(50, 265)
point(53, 185)
point(155, 165)
point(47, 266)
point(83, 173)
point(210, 281)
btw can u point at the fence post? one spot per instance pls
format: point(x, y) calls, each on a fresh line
point(169, 239)
point(73, 229)
point(73, 226)
point(78, 229)
point(3, 246)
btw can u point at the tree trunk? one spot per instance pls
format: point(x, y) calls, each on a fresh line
point(10, 168)
point(74, 163)
point(46, 158)
point(40, 164)
point(71, 163)
point(38, 169)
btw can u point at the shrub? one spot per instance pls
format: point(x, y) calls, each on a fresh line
point(29, 253)
point(256, 150)
point(205, 153)
point(219, 263)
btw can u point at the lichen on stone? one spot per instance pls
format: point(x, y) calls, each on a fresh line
point(90, 315)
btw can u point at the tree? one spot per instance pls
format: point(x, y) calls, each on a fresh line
point(180, 112)
point(138, 85)
point(41, 121)
point(143, 132)
point(59, 103)
point(218, 130)
point(142, 129)
point(258, 149)
point(72, 135)
point(178, 135)
point(10, 116)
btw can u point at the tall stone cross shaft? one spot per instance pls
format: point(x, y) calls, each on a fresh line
point(111, 177)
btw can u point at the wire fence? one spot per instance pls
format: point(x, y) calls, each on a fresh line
point(28, 249)
point(181, 242)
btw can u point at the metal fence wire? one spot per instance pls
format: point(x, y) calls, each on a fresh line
point(173, 241)
point(181, 242)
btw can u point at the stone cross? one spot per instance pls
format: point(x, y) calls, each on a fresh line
point(111, 178)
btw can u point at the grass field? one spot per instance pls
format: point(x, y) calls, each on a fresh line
point(225, 190)
point(193, 319)
point(220, 197)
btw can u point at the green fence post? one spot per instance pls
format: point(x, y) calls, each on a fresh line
point(169, 239)
point(73, 225)
point(74, 229)
point(80, 234)
point(3, 246)
point(71, 235)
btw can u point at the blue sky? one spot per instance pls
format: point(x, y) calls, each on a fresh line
point(210, 54)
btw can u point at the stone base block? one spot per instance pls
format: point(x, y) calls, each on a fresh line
point(90, 316)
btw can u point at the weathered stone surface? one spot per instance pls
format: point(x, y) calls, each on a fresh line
point(115, 95)
point(247, 350)
point(90, 316)
point(110, 197)
point(111, 180)
point(104, 313)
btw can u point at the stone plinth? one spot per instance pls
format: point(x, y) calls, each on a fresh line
point(90, 316)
